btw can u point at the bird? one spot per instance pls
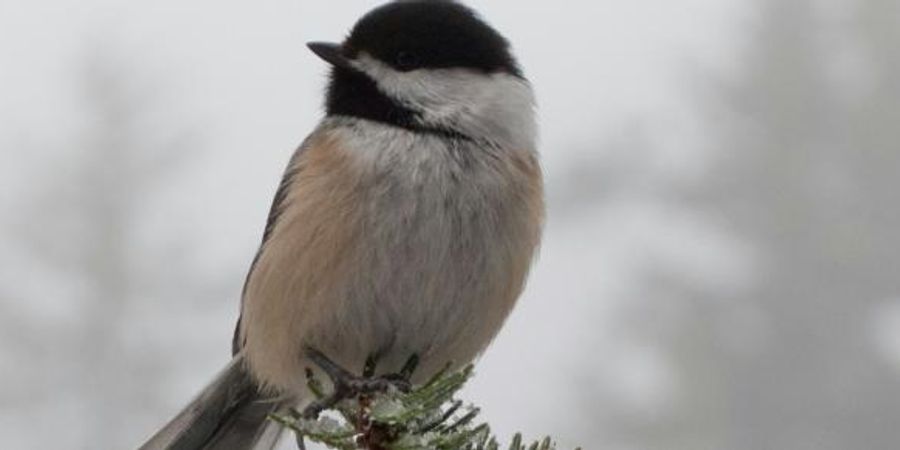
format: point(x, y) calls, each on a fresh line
point(404, 227)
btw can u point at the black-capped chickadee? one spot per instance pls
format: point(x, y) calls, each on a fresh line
point(404, 225)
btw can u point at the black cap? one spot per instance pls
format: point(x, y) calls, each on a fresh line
point(413, 34)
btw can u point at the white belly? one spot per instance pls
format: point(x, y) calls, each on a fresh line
point(405, 247)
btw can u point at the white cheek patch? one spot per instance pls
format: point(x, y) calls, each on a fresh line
point(498, 107)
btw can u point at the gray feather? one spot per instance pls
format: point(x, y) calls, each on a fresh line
point(228, 414)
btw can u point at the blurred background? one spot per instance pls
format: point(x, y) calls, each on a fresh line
point(720, 268)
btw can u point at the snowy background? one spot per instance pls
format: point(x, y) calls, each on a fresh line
point(720, 268)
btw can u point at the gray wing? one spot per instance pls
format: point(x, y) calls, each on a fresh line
point(279, 203)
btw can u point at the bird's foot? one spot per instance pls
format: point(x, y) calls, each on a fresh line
point(347, 385)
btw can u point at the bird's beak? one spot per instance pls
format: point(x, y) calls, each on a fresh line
point(331, 53)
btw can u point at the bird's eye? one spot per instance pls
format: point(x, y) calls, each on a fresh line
point(406, 61)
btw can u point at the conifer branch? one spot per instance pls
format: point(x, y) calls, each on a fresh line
point(428, 417)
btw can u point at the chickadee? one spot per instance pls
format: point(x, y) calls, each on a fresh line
point(405, 224)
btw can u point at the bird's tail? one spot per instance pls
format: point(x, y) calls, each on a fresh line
point(229, 414)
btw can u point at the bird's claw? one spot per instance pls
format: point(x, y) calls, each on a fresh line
point(347, 385)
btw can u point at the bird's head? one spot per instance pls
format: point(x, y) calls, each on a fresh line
point(429, 64)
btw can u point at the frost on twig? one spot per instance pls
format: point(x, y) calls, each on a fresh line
point(429, 417)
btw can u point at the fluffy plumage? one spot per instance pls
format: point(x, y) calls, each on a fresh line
point(405, 224)
point(390, 243)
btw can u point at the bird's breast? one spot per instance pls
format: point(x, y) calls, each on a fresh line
point(396, 243)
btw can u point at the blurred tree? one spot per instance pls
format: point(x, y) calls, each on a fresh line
point(78, 240)
point(872, 156)
point(806, 170)
point(808, 181)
